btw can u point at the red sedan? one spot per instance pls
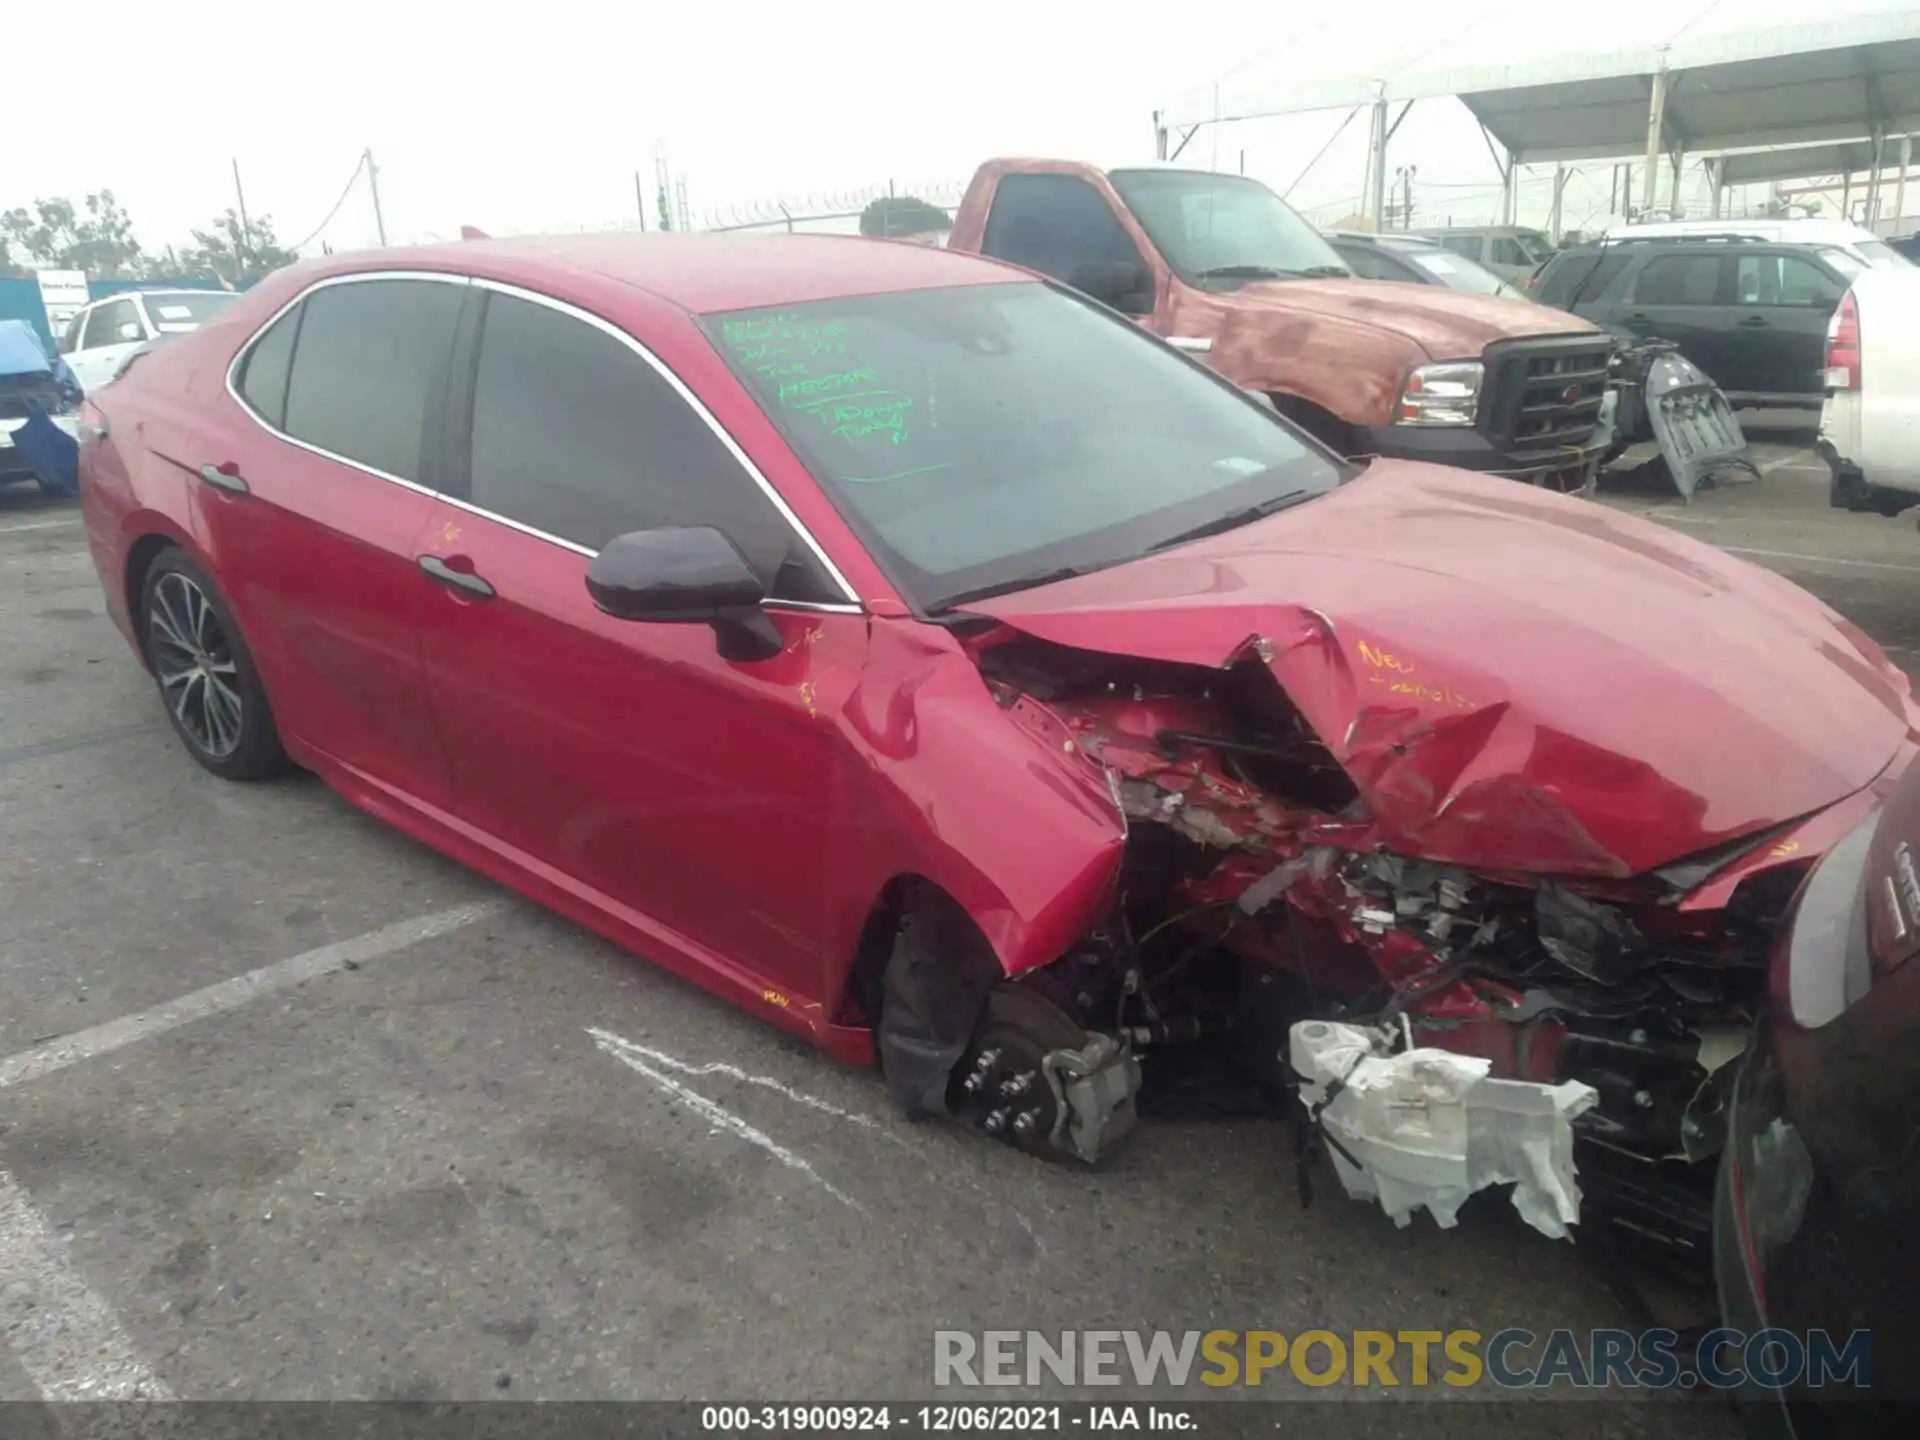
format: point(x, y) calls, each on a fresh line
point(921, 656)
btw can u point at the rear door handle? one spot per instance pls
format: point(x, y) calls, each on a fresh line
point(229, 479)
point(1754, 322)
point(459, 579)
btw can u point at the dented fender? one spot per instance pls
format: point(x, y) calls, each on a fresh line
point(996, 809)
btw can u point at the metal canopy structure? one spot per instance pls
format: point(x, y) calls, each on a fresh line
point(1846, 157)
point(1853, 77)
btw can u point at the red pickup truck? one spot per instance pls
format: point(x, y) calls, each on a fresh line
point(1221, 267)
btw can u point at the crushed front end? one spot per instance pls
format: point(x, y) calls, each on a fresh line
point(1259, 894)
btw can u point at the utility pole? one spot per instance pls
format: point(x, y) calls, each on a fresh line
point(373, 184)
point(640, 199)
point(1406, 195)
point(245, 243)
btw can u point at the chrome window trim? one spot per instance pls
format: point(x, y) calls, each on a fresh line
point(694, 403)
point(240, 356)
point(851, 606)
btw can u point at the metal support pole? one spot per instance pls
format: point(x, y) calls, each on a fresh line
point(1656, 129)
point(1673, 184)
point(1374, 203)
point(1559, 189)
point(1159, 134)
point(373, 184)
point(245, 242)
point(1873, 180)
point(1900, 185)
point(640, 198)
point(1716, 186)
point(1507, 180)
point(1846, 196)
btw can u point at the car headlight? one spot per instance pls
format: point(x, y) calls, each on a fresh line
point(1447, 394)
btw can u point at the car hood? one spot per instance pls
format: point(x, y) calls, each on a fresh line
point(1447, 324)
point(1515, 679)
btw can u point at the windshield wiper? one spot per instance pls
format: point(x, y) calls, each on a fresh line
point(1232, 520)
point(1007, 587)
point(1273, 272)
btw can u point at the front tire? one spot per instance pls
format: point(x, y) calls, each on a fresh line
point(205, 673)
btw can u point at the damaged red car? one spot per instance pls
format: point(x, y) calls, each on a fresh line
point(923, 657)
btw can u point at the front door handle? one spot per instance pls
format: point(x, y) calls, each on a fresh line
point(225, 477)
point(459, 579)
point(1754, 322)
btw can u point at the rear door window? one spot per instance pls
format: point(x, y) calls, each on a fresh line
point(1678, 280)
point(263, 376)
point(370, 355)
point(578, 436)
point(1467, 245)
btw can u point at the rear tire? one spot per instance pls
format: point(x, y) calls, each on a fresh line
point(205, 674)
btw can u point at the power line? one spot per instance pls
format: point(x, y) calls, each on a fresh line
point(1322, 151)
point(345, 191)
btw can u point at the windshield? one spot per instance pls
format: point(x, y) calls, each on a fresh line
point(1454, 271)
point(1881, 255)
point(1207, 224)
point(174, 312)
point(985, 437)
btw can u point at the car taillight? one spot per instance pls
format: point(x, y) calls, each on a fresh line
point(1843, 346)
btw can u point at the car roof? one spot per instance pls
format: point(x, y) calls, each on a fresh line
point(1806, 231)
point(705, 272)
point(1478, 230)
point(1408, 239)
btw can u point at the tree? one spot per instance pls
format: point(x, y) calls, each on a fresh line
point(903, 215)
point(234, 252)
point(98, 238)
point(9, 267)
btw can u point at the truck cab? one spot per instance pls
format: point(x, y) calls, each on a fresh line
point(1220, 266)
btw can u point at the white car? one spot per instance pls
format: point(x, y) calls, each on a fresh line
point(1870, 421)
point(1861, 245)
point(104, 333)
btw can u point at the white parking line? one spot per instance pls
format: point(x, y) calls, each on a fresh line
point(64, 1335)
point(716, 1115)
point(40, 525)
point(54, 1055)
point(1820, 559)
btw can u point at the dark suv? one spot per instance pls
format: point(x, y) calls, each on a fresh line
point(1751, 313)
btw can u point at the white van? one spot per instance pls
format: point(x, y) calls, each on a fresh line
point(1862, 244)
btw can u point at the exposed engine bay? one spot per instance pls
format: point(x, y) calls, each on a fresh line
point(1255, 895)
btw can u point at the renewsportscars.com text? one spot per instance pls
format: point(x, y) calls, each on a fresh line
point(1507, 1359)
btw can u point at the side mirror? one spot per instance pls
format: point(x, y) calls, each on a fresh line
point(1126, 285)
point(681, 575)
point(130, 330)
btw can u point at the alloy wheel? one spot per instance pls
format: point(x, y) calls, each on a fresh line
point(195, 665)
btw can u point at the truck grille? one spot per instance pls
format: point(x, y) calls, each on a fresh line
point(1543, 394)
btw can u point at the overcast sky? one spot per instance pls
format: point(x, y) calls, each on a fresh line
point(534, 117)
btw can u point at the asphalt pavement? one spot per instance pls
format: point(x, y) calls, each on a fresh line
point(293, 1108)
